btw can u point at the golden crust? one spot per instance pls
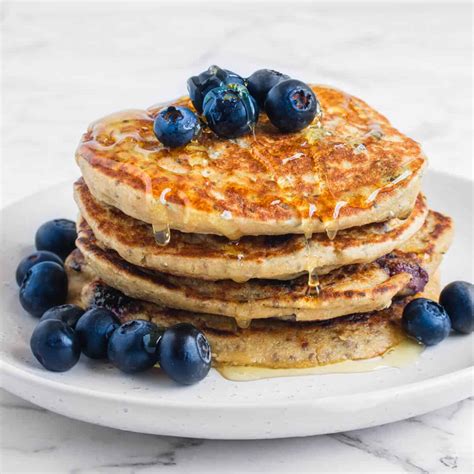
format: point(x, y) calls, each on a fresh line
point(213, 257)
point(349, 169)
point(350, 289)
point(266, 343)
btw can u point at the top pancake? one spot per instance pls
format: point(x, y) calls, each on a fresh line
point(349, 168)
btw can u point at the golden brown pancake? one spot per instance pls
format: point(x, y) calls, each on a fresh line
point(266, 343)
point(350, 289)
point(349, 168)
point(213, 257)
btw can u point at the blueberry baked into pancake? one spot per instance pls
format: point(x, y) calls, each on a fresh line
point(257, 222)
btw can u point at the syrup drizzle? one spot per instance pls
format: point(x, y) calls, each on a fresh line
point(158, 209)
point(331, 233)
point(314, 286)
point(162, 235)
point(243, 323)
point(127, 140)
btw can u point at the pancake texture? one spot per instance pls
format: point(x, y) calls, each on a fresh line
point(288, 250)
point(266, 343)
point(351, 289)
point(347, 169)
point(212, 257)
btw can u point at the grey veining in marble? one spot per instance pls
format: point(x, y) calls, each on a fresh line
point(438, 442)
point(66, 64)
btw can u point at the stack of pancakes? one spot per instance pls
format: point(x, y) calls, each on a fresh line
point(286, 250)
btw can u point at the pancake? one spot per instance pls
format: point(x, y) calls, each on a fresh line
point(212, 257)
point(266, 343)
point(351, 289)
point(347, 169)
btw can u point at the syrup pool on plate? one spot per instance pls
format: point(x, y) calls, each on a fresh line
point(402, 355)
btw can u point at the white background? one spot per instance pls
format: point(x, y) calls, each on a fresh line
point(65, 64)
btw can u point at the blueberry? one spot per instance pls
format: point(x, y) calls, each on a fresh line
point(230, 111)
point(291, 105)
point(67, 313)
point(104, 296)
point(457, 299)
point(44, 286)
point(132, 347)
point(426, 321)
point(185, 354)
point(94, 329)
point(176, 126)
point(55, 345)
point(261, 81)
point(214, 76)
point(58, 236)
point(234, 78)
point(33, 259)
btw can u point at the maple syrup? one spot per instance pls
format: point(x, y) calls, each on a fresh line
point(298, 164)
point(162, 234)
point(331, 233)
point(402, 355)
point(158, 209)
point(313, 282)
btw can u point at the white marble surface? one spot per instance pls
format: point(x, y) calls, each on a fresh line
point(34, 440)
point(66, 64)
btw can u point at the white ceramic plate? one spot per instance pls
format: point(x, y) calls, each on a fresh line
point(217, 408)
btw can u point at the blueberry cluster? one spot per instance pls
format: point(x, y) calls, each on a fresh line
point(229, 105)
point(429, 322)
point(66, 330)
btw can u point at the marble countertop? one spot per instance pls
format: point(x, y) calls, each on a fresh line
point(35, 440)
point(67, 63)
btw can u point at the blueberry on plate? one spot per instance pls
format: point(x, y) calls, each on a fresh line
point(426, 321)
point(94, 329)
point(132, 347)
point(457, 299)
point(33, 259)
point(261, 81)
point(176, 126)
point(291, 105)
point(230, 111)
point(67, 313)
point(214, 76)
point(58, 236)
point(44, 286)
point(185, 354)
point(55, 345)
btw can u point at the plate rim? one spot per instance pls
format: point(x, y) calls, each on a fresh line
point(15, 378)
point(461, 375)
